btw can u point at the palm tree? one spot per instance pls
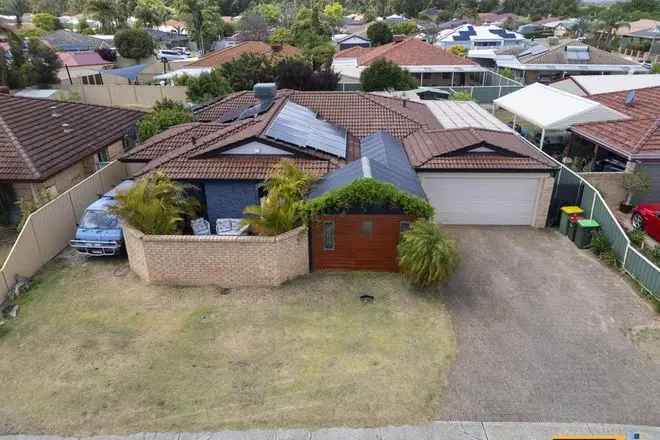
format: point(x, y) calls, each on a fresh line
point(103, 11)
point(17, 8)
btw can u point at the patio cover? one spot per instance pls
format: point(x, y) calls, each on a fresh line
point(552, 109)
point(131, 72)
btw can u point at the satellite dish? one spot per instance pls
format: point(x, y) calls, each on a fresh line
point(630, 99)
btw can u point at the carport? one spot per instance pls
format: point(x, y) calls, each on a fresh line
point(553, 110)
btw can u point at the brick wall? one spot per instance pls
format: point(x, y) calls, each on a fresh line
point(238, 261)
point(545, 197)
point(610, 185)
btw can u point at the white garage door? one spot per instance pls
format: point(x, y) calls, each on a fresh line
point(482, 198)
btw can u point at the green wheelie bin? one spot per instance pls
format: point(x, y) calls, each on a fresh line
point(585, 230)
point(566, 212)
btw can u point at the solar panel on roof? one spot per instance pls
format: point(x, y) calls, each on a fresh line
point(577, 53)
point(299, 126)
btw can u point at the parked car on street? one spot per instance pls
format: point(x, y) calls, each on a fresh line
point(182, 50)
point(647, 217)
point(99, 232)
point(171, 55)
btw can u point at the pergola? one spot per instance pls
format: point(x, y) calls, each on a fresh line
point(552, 109)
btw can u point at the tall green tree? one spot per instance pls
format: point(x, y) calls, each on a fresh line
point(17, 8)
point(206, 86)
point(193, 10)
point(383, 75)
point(247, 70)
point(379, 33)
point(134, 43)
point(151, 13)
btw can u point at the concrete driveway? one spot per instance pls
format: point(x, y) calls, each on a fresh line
point(545, 334)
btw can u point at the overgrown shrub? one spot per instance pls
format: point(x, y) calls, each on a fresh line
point(167, 113)
point(636, 237)
point(600, 244)
point(426, 255)
point(609, 257)
point(156, 205)
point(367, 195)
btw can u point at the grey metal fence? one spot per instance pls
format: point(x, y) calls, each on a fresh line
point(571, 188)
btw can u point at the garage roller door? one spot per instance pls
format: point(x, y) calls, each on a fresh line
point(482, 198)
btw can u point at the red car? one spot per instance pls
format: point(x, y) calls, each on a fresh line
point(647, 217)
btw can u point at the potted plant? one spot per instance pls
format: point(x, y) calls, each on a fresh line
point(635, 183)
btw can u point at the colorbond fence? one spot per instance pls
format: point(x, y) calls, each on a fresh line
point(48, 230)
point(574, 190)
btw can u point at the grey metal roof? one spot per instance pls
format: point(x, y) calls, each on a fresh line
point(383, 159)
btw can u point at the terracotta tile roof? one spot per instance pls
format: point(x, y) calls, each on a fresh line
point(360, 113)
point(169, 140)
point(238, 168)
point(557, 55)
point(219, 57)
point(445, 149)
point(35, 143)
point(411, 52)
point(646, 104)
point(84, 58)
point(637, 137)
point(352, 52)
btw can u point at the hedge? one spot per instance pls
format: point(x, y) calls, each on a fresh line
point(367, 195)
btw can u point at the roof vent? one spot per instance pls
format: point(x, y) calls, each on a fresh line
point(55, 115)
point(65, 124)
point(630, 98)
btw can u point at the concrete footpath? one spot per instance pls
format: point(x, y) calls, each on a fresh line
point(429, 431)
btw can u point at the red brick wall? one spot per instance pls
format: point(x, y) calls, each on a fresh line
point(355, 251)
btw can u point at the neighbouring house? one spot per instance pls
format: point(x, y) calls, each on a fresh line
point(431, 65)
point(167, 40)
point(66, 41)
point(585, 85)
point(174, 27)
point(497, 19)
point(82, 67)
point(346, 41)
point(236, 142)
point(52, 145)
point(219, 57)
point(546, 65)
point(480, 37)
point(628, 144)
point(640, 35)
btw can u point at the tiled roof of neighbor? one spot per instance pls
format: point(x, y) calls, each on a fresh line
point(464, 148)
point(645, 105)
point(352, 52)
point(62, 40)
point(409, 52)
point(83, 58)
point(637, 137)
point(222, 56)
point(378, 123)
point(557, 55)
point(40, 137)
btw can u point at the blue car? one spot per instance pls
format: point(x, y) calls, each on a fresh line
point(99, 232)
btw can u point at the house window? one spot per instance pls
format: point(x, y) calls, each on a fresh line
point(404, 226)
point(328, 236)
point(367, 229)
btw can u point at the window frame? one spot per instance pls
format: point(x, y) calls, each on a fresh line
point(326, 225)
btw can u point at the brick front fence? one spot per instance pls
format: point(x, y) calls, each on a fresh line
point(227, 261)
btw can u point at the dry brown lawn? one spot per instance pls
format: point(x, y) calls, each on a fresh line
point(95, 350)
